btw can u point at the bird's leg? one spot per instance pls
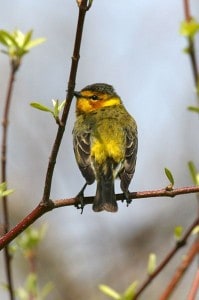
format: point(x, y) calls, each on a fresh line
point(80, 197)
point(127, 197)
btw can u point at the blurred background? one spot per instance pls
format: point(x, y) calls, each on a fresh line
point(136, 47)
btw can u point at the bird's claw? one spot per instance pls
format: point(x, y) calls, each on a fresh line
point(127, 198)
point(80, 197)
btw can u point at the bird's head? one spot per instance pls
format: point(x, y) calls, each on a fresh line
point(96, 96)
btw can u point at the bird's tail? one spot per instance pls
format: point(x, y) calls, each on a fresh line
point(105, 195)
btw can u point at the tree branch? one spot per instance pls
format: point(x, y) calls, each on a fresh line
point(186, 262)
point(191, 46)
point(167, 259)
point(42, 208)
point(194, 287)
point(70, 92)
point(6, 225)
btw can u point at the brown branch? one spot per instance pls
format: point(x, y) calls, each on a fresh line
point(191, 46)
point(42, 208)
point(167, 259)
point(194, 287)
point(6, 225)
point(186, 262)
point(70, 92)
point(187, 10)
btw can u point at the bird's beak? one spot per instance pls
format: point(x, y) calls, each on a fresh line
point(77, 94)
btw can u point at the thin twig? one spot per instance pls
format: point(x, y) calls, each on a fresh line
point(166, 260)
point(41, 209)
point(194, 288)
point(69, 96)
point(185, 264)
point(191, 47)
point(6, 224)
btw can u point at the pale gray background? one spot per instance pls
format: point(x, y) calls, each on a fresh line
point(136, 46)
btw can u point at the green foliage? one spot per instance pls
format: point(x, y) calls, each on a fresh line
point(28, 240)
point(189, 28)
point(195, 230)
point(31, 291)
point(3, 190)
point(193, 172)
point(27, 244)
point(151, 263)
point(178, 230)
point(17, 44)
point(193, 108)
point(55, 111)
point(127, 295)
point(170, 177)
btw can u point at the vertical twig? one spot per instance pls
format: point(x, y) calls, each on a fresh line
point(70, 90)
point(191, 47)
point(6, 224)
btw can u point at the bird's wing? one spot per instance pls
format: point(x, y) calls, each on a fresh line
point(81, 144)
point(130, 159)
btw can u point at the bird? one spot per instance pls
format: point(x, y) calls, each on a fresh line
point(105, 143)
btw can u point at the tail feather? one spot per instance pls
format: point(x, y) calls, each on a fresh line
point(105, 196)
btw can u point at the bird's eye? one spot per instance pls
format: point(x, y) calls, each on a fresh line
point(94, 97)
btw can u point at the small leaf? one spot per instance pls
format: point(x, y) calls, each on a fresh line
point(56, 108)
point(193, 172)
point(35, 43)
point(27, 38)
point(195, 230)
point(169, 176)
point(62, 105)
point(151, 263)
point(189, 28)
point(7, 192)
point(193, 108)
point(109, 292)
point(130, 291)
point(41, 107)
point(178, 230)
point(48, 287)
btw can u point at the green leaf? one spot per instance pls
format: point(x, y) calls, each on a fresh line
point(31, 284)
point(27, 38)
point(48, 287)
point(41, 107)
point(193, 172)
point(169, 176)
point(193, 108)
point(189, 28)
point(130, 291)
point(35, 43)
point(109, 292)
point(151, 263)
point(8, 39)
point(22, 294)
point(3, 190)
point(178, 230)
point(195, 230)
point(62, 105)
point(56, 107)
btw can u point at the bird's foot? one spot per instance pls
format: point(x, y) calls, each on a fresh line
point(80, 197)
point(127, 198)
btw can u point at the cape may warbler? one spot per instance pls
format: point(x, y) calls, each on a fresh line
point(105, 143)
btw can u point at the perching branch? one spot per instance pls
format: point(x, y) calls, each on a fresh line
point(42, 209)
